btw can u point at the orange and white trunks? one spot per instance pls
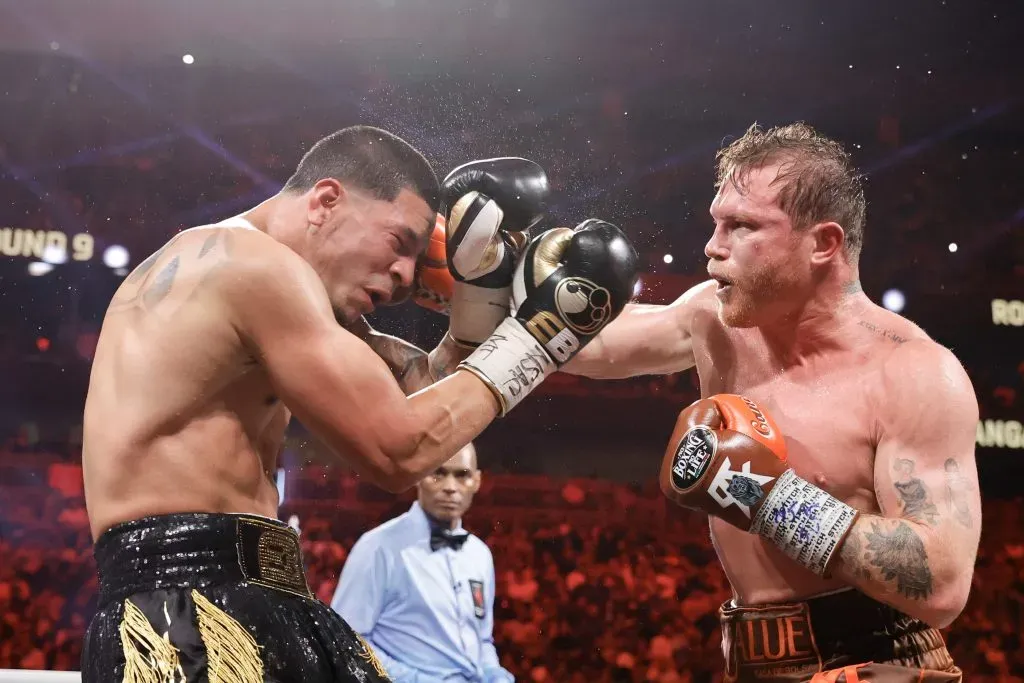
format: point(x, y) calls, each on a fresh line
point(843, 637)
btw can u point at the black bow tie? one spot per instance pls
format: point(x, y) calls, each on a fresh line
point(440, 538)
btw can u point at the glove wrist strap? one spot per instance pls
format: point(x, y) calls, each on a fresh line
point(806, 523)
point(476, 312)
point(511, 362)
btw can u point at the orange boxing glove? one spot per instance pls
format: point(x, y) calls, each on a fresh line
point(727, 458)
point(434, 282)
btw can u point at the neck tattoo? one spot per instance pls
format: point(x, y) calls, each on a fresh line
point(852, 287)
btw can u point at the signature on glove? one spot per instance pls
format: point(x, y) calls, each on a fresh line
point(803, 514)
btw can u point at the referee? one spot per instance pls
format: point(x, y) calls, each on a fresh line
point(420, 589)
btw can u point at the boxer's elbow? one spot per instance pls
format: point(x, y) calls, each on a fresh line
point(406, 453)
point(396, 482)
point(394, 472)
point(949, 600)
point(382, 458)
point(388, 472)
point(950, 588)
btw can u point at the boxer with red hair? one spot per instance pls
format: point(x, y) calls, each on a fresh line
point(822, 446)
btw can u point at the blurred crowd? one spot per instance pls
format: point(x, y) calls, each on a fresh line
point(598, 582)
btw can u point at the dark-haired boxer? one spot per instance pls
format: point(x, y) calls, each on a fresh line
point(212, 343)
point(862, 550)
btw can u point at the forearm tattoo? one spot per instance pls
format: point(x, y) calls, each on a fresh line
point(891, 549)
point(413, 368)
point(894, 553)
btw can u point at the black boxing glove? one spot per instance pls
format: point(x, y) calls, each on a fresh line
point(489, 205)
point(568, 285)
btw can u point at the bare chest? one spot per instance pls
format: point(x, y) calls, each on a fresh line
point(825, 412)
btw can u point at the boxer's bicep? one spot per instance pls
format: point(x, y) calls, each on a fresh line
point(919, 552)
point(332, 382)
point(925, 469)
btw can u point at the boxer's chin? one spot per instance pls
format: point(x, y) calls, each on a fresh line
point(737, 310)
point(347, 313)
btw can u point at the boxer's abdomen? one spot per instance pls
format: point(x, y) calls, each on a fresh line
point(761, 574)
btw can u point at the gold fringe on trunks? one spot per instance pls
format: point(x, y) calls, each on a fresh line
point(369, 655)
point(231, 652)
point(149, 658)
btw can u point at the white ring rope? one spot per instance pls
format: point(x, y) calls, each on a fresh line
point(26, 676)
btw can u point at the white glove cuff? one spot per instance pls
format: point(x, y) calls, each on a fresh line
point(476, 312)
point(511, 362)
point(805, 522)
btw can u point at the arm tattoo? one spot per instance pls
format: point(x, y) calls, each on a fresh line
point(144, 267)
point(957, 492)
point(154, 286)
point(209, 244)
point(155, 292)
point(852, 555)
point(413, 368)
point(917, 506)
point(900, 556)
point(409, 364)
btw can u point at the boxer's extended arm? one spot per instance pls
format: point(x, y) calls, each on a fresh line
point(918, 554)
point(337, 386)
point(644, 340)
point(413, 368)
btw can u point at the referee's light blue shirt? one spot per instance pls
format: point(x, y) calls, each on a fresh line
point(428, 614)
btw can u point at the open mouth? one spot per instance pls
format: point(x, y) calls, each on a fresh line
point(723, 283)
point(378, 298)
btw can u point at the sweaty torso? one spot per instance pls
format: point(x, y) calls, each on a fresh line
point(827, 408)
point(179, 416)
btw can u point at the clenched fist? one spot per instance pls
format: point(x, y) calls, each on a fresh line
point(727, 458)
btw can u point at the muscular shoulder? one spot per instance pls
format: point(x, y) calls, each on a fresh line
point(701, 308)
point(254, 253)
point(700, 297)
point(690, 308)
point(266, 278)
point(922, 383)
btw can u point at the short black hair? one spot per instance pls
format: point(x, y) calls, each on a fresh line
point(370, 158)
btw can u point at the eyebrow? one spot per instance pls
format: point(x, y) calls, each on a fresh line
point(742, 217)
point(410, 235)
point(463, 471)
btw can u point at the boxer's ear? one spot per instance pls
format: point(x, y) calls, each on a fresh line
point(828, 239)
point(324, 196)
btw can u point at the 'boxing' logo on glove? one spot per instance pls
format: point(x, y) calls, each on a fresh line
point(696, 451)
